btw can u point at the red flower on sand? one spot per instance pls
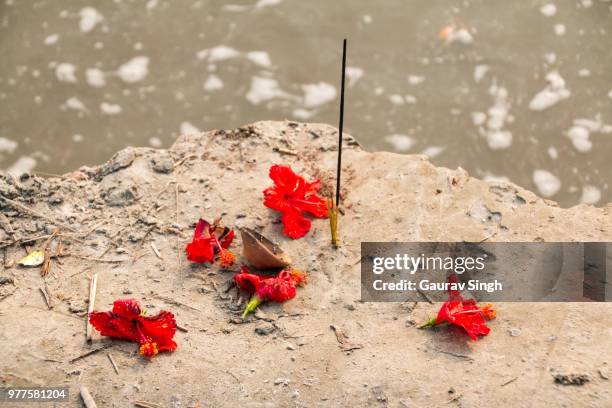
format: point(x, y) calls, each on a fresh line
point(278, 288)
point(127, 321)
point(293, 196)
point(463, 313)
point(209, 240)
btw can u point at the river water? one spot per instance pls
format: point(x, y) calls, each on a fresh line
point(516, 90)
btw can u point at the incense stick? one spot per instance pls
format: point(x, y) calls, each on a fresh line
point(341, 124)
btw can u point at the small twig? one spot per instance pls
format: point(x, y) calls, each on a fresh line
point(144, 404)
point(509, 381)
point(90, 352)
point(178, 249)
point(450, 353)
point(456, 398)
point(88, 258)
point(46, 297)
point(181, 328)
point(92, 299)
point(87, 398)
point(110, 357)
point(37, 214)
point(156, 250)
point(285, 151)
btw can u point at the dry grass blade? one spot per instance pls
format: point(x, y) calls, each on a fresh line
point(343, 341)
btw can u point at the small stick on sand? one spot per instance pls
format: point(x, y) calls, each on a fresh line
point(87, 398)
point(144, 404)
point(155, 250)
point(178, 249)
point(46, 297)
point(92, 300)
point(89, 353)
point(110, 357)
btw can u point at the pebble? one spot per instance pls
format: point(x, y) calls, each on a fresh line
point(515, 332)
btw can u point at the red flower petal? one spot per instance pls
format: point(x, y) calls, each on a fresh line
point(226, 241)
point(200, 250)
point(160, 329)
point(292, 196)
point(126, 322)
point(247, 281)
point(464, 314)
point(295, 225)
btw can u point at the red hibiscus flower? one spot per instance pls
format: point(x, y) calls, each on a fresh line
point(463, 313)
point(209, 240)
point(293, 196)
point(278, 289)
point(127, 321)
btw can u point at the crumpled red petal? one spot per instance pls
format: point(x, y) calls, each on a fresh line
point(295, 225)
point(464, 314)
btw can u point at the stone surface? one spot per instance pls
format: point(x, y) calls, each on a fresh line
point(387, 197)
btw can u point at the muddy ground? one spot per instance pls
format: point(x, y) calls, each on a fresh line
point(109, 218)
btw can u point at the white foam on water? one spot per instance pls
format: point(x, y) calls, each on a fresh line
point(264, 89)
point(547, 183)
point(579, 136)
point(218, 53)
point(492, 124)
point(411, 99)
point(156, 142)
point(584, 73)
point(134, 70)
point(480, 71)
point(151, 4)
point(479, 118)
point(548, 10)
point(95, 77)
point(75, 103)
point(433, 151)
point(7, 145)
point(213, 83)
point(415, 79)
point(110, 108)
point(460, 35)
point(581, 131)
point(318, 94)
point(260, 58)
point(353, 74)
point(401, 143)
point(65, 72)
point(77, 138)
point(610, 94)
point(560, 29)
point(236, 8)
point(267, 3)
point(396, 99)
point(90, 17)
point(553, 153)
point(586, 3)
point(189, 129)
point(367, 19)
point(303, 114)
point(550, 57)
point(51, 39)
point(24, 164)
point(554, 92)
point(590, 195)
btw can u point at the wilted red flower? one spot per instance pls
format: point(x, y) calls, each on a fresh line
point(466, 314)
point(209, 240)
point(463, 313)
point(293, 196)
point(127, 321)
point(278, 288)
